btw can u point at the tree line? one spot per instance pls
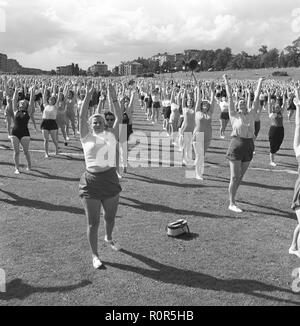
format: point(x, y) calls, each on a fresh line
point(224, 59)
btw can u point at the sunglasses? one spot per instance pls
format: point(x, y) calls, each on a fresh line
point(110, 119)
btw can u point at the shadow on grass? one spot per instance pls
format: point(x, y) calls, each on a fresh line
point(172, 275)
point(149, 207)
point(166, 183)
point(45, 175)
point(17, 289)
point(37, 204)
point(252, 184)
point(188, 236)
point(286, 214)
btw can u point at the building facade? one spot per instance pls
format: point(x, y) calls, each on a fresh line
point(70, 70)
point(130, 68)
point(100, 69)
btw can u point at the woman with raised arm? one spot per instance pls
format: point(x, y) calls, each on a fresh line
point(23, 111)
point(7, 103)
point(61, 118)
point(49, 125)
point(70, 99)
point(203, 124)
point(99, 186)
point(240, 152)
point(188, 126)
point(276, 132)
point(224, 117)
point(294, 250)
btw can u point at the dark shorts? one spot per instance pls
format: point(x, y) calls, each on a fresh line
point(167, 112)
point(20, 133)
point(224, 116)
point(99, 186)
point(262, 103)
point(156, 105)
point(276, 137)
point(257, 128)
point(49, 125)
point(241, 149)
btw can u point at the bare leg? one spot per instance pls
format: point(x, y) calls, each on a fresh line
point(110, 207)
point(53, 134)
point(16, 147)
point(92, 211)
point(235, 177)
point(25, 141)
point(296, 238)
point(244, 168)
point(46, 142)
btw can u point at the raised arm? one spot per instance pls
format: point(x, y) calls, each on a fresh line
point(212, 97)
point(15, 100)
point(31, 101)
point(115, 108)
point(83, 115)
point(45, 102)
point(199, 99)
point(232, 112)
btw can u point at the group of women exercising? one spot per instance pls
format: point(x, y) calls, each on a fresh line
point(98, 111)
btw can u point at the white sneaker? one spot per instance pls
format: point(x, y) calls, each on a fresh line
point(222, 137)
point(114, 246)
point(273, 164)
point(199, 177)
point(97, 263)
point(17, 172)
point(68, 138)
point(235, 209)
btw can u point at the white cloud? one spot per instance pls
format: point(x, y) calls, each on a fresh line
point(296, 20)
point(112, 30)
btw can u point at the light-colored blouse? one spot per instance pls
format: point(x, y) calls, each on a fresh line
point(243, 125)
point(50, 112)
point(100, 151)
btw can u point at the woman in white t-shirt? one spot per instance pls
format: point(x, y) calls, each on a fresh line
point(49, 125)
point(99, 185)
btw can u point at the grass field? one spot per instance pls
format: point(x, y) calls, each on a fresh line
point(250, 74)
point(228, 259)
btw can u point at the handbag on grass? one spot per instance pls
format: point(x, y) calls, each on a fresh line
point(178, 228)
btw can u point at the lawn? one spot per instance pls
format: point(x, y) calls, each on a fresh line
point(227, 260)
point(249, 74)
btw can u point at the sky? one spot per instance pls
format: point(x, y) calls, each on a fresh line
point(45, 34)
